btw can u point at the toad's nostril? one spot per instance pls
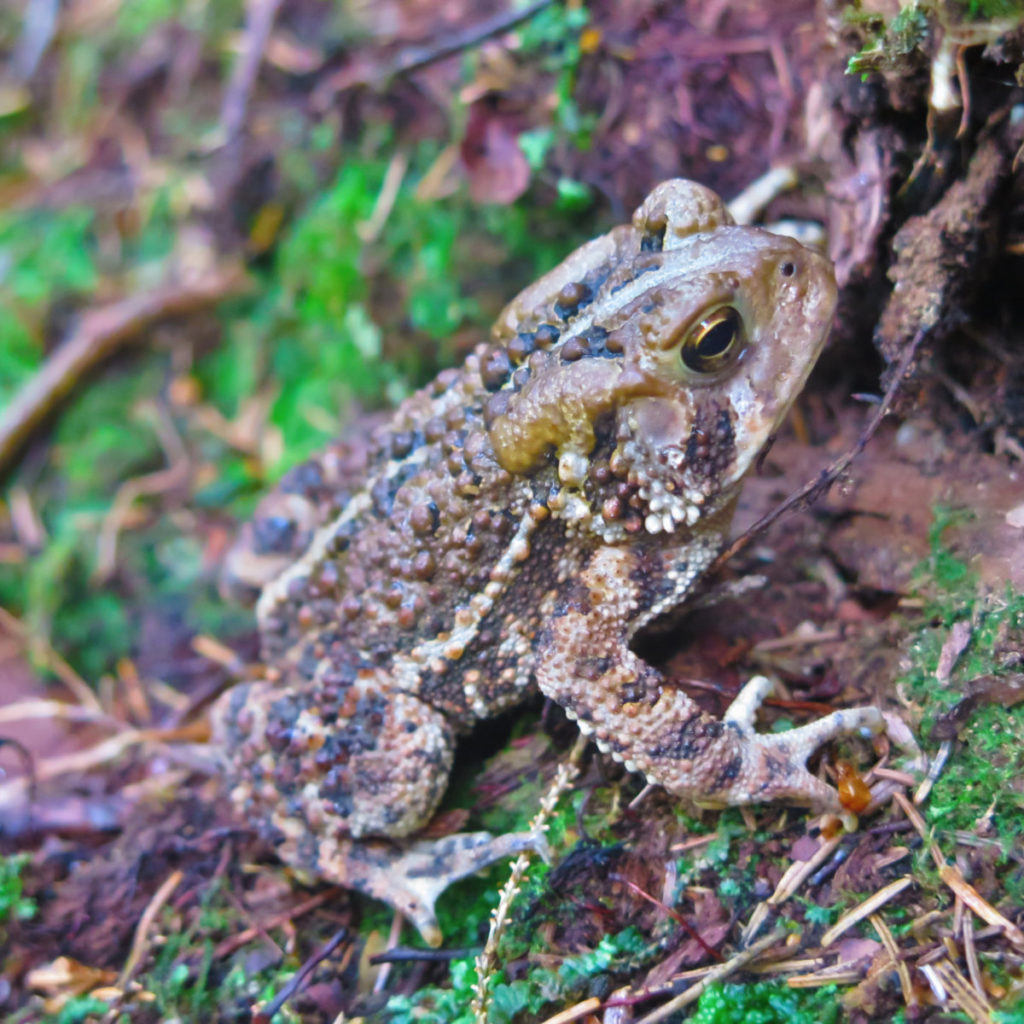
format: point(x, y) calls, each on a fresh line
point(787, 269)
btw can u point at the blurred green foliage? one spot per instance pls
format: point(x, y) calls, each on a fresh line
point(13, 905)
point(322, 330)
point(343, 317)
point(44, 258)
point(313, 331)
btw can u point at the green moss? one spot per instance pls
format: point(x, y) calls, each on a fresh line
point(316, 329)
point(890, 45)
point(903, 43)
point(983, 775)
point(981, 788)
point(766, 1002)
point(135, 20)
point(1014, 1013)
point(984, 778)
point(817, 915)
point(77, 1010)
point(13, 905)
point(552, 39)
point(521, 1000)
point(989, 10)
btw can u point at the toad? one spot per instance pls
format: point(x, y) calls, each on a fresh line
point(514, 526)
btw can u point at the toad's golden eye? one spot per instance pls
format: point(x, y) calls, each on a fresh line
point(715, 342)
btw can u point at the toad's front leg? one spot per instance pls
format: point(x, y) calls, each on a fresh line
point(586, 666)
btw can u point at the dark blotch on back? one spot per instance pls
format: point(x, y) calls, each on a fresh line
point(495, 368)
point(595, 342)
point(404, 443)
point(305, 479)
point(524, 344)
point(273, 535)
point(572, 298)
point(386, 487)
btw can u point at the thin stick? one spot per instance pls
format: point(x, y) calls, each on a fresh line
point(50, 660)
point(587, 1007)
point(259, 20)
point(419, 57)
point(813, 489)
point(80, 761)
point(56, 710)
point(731, 966)
point(141, 941)
point(906, 986)
point(272, 1008)
point(865, 909)
point(100, 333)
point(237, 941)
point(978, 904)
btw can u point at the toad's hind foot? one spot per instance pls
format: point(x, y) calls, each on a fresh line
point(773, 764)
point(412, 875)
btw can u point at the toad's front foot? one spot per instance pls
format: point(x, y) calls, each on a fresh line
point(772, 766)
point(412, 875)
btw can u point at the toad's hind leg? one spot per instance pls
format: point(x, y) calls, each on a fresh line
point(338, 773)
point(412, 875)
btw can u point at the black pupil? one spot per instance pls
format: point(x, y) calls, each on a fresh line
point(717, 339)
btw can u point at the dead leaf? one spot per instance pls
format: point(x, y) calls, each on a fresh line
point(67, 977)
point(496, 165)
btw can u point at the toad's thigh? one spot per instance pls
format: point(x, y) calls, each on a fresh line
point(362, 762)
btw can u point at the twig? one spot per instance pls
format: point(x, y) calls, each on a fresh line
point(384, 970)
point(55, 710)
point(235, 942)
point(957, 990)
point(971, 956)
point(934, 771)
point(406, 954)
point(731, 966)
point(80, 761)
point(259, 20)
point(670, 912)
point(173, 476)
point(369, 229)
point(813, 489)
point(906, 986)
point(792, 879)
point(28, 767)
point(267, 1014)
point(837, 974)
point(37, 32)
point(977, 903)
point(255, 926)
point(585, 1009)
point(141, 941)
point(99, 333)
point(51, 660)
point(865, 909)
point(419, 57)
point(959, 885)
